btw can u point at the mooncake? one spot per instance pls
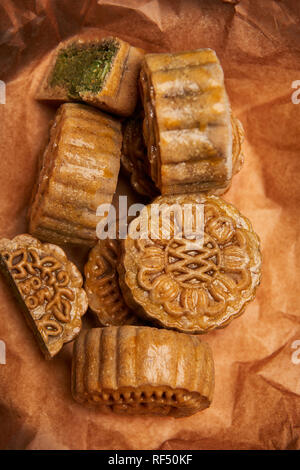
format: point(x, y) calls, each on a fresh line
point(187, 126)
point(191, 264)
point(136, 164)
point(100, 71)
point(79, 172)
point(48, 288)
point(142, 370)
point(134, 157)
point(102, 286)
point(238, 136)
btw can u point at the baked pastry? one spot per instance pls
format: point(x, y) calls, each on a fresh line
point(189, 277)
point(100, 71)
point(79, 172)
point(238, 136)
point(136, 164)
point(134, 157)
point(102, 286)
point(187, 126)
point(142, 370)
point(48, 288)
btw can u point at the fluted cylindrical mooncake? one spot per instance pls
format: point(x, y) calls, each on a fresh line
point(79, 172)
point(136, 164)
point(143, 370)
point(190, 262)
point(187, 125)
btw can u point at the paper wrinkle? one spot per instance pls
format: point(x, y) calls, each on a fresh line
point(257, 396)
point(150, 9)
point(274, 405)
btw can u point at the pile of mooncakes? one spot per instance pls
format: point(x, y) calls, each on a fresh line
point(166, 120)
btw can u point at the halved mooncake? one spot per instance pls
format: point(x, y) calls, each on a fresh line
point(187, 126)
point(79, 171)
point(100, 71)
point(143, 370)
point(190, 262)
point(48, 288)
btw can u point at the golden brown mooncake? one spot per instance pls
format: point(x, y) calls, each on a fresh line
point(143, 370)
point(102, 286)
point(238, 136)
point(102, 72)
point(79, 171)
point(48, 288)
point(192, 284)
point(134, 157)
point(135, 162)
point(187, 126)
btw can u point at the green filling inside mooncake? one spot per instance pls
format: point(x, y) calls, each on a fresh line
point(83, 68)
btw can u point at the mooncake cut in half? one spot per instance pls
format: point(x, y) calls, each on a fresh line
point(143, 370)
point(48, 288)
point(190, 262)
point(135, 162)
point(102, 286)
point(100, 71)
point(187, 126)
point(79, 172)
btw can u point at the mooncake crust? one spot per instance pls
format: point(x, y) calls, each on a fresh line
point(238, 136)
point(187, 125)
point(142, 370)
point(134, 157)
point(136, 165)
point(79, 172)
point(182, 285)
point(119, 92)
point(48, 288)
point(101, 284)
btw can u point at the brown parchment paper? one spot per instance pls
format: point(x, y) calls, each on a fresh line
point(257, 394)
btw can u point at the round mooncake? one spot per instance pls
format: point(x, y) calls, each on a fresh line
point(143, 370)
point(189, 280)
point(102, 287)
